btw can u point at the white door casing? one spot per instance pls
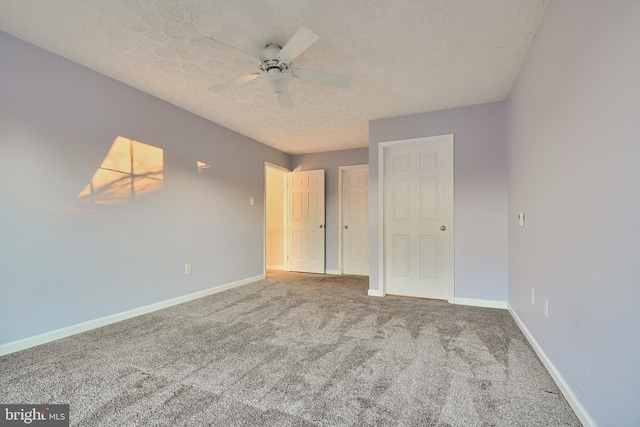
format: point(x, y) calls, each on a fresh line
point(354, 219)
point(306, 221)
point(417, 217)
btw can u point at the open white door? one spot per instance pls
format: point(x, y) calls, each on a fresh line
point(306, 221)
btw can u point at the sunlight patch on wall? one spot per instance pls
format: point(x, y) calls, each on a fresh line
point(131, 169)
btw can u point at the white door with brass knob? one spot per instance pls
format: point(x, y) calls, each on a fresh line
point(417, 218)
point(306, 236)
point(354, 248)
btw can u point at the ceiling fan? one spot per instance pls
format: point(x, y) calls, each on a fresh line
point(274, 64)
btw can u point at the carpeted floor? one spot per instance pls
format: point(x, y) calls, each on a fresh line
point(295, 350)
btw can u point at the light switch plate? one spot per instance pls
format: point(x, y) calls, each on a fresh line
point(521, 219)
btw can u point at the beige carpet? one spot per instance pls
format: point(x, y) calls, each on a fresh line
point(295, 350)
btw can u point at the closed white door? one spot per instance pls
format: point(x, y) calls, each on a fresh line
point(306, 221)
point(355, 221)
point(417, 218)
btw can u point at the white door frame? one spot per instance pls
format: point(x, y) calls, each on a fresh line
point(341, 170)
point(264, 218)
point(383, 148)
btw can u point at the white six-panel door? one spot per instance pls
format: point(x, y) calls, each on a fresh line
point(306, 221)
point(355, 220)
point(417, 212)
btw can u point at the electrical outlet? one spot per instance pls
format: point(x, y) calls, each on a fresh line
point(546, 308)
point(533, 296)
point(187, 269)
point(252, 201)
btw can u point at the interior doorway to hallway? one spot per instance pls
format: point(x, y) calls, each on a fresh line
point(275, 217)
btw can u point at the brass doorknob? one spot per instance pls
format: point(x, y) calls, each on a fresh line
point(321, 226)
point(443, 228)
point(346, 227)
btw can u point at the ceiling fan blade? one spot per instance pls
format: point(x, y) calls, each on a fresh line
point(208, 41)
point(320, 77)
point(234, 82)
point(284, 98)
point(301, 40)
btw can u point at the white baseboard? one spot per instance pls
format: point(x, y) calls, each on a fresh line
point(480, 302)
point(375, 293)
point(276, 267)
point(334, 272)
point(568, 393)
point(33, 341)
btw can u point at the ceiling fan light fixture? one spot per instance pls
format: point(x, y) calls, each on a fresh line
point(276, 82)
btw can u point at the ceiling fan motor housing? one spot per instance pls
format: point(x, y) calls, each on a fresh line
point(270, 62)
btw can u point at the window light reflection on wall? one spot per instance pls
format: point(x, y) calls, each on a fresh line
point(202, 166)
point(131, 169)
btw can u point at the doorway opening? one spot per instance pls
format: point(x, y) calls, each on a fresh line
point(275, 217)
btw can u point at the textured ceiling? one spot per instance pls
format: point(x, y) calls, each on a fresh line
point(402, 56)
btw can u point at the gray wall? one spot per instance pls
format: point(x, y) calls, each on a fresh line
point(62, 261)
point(330, 161)
point(480, 192)
point(574, 132)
